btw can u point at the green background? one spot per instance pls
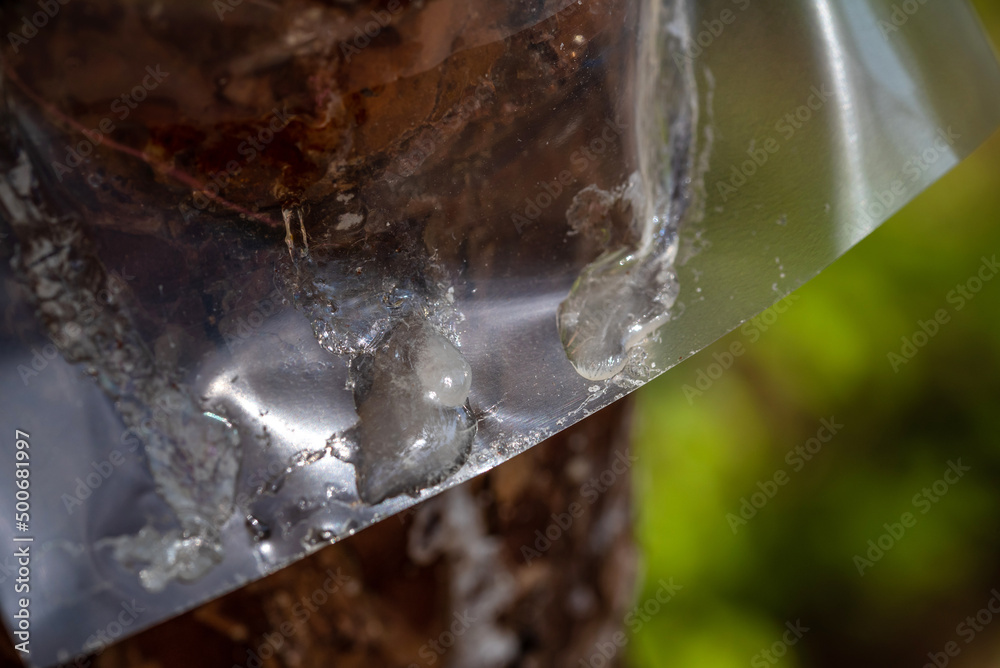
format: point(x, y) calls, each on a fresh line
point(827, 356)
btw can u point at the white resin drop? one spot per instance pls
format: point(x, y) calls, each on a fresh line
point(444, 374)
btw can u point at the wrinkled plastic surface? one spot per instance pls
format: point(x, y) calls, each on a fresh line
point(482, 225)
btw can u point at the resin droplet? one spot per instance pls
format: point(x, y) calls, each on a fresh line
point(616, 303)
point(444, 374)
point(622, 297)
point(415, 429)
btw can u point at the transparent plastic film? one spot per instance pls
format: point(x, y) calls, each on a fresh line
point(276, 271)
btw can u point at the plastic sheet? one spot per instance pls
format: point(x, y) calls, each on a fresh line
point(277, 272)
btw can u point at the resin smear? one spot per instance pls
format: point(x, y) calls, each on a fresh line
point(193, 453)
point(381, 306)
point(621, 298)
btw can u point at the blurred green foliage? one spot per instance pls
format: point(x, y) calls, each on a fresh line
point(827, 356)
